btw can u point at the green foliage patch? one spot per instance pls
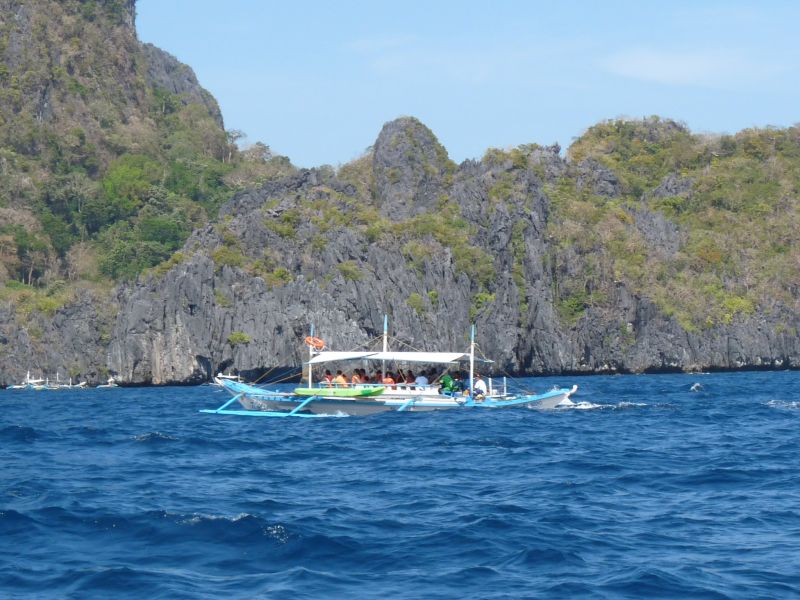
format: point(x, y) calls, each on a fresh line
point(737, 221)
point(239, 337)
point(350, 270)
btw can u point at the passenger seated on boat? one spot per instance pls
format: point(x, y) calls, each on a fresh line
point(479, 387)
point(421, 380)
point(400, 377)
point(388, 379)
point(356, 378)
point(340, 380)
point(448, 384)
point(378, 377)
point(327, 379)
point(362, 376)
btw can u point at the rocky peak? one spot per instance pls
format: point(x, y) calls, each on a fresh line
point(166, 72)
point(410, 166)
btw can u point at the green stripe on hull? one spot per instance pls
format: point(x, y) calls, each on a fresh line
point(339, 392)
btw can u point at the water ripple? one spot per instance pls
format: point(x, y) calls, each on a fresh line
point(642, 488)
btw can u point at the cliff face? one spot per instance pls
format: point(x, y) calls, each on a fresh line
point(309, 248)
point(645, 247)
point(72, 65)
point(81, 101)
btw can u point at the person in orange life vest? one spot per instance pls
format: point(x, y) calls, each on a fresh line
point(340, 380)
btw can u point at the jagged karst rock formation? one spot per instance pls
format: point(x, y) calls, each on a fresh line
point(76, 91)
point(611, 257)
point(176, 329)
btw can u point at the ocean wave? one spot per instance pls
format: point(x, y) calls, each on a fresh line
point(154, 437)
point(537, 558)
point(582, 405)
point(650, 581)
point(19, 434)
point(784, 404)
point(655, 493)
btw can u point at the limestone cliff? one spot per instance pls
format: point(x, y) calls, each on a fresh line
point(642, 247)
point(430, 246)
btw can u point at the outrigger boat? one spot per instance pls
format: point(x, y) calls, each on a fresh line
point(29, 384)
point(39, 385)
point(327, 399)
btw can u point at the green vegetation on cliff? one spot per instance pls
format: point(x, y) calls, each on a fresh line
point(706, 226)
point(111, 154)
point(107, 165)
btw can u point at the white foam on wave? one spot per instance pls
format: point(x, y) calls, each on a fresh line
point(277, 532)
point(784, 404)
point(153, 436)
point(581, 405)
point(585, 405)
point(200, 517)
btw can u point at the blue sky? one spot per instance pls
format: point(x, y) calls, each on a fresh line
point(317, 80)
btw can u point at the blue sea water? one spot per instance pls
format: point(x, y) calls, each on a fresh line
point(646, 489)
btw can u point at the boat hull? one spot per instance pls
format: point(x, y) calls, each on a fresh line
point(336, 407)
point(258, 401)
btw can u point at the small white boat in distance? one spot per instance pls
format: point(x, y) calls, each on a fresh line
point(109, 384)
point(59, 385)
point(29, 384)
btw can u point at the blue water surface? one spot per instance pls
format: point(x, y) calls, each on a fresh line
point(646, 489)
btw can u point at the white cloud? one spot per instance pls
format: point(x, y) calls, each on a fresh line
point(703, 68)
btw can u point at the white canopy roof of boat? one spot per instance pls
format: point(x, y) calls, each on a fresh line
point(421, 357)
point(331, 356)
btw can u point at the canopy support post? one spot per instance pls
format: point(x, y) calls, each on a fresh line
point(471, 363)
point(385, 344)
point(310, 356)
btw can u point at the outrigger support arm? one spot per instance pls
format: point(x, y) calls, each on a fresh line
point(264, 413)
point(405, 406)
point(227, 404)
point(301, 406)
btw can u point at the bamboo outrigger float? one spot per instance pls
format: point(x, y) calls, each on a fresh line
point(329, 400)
